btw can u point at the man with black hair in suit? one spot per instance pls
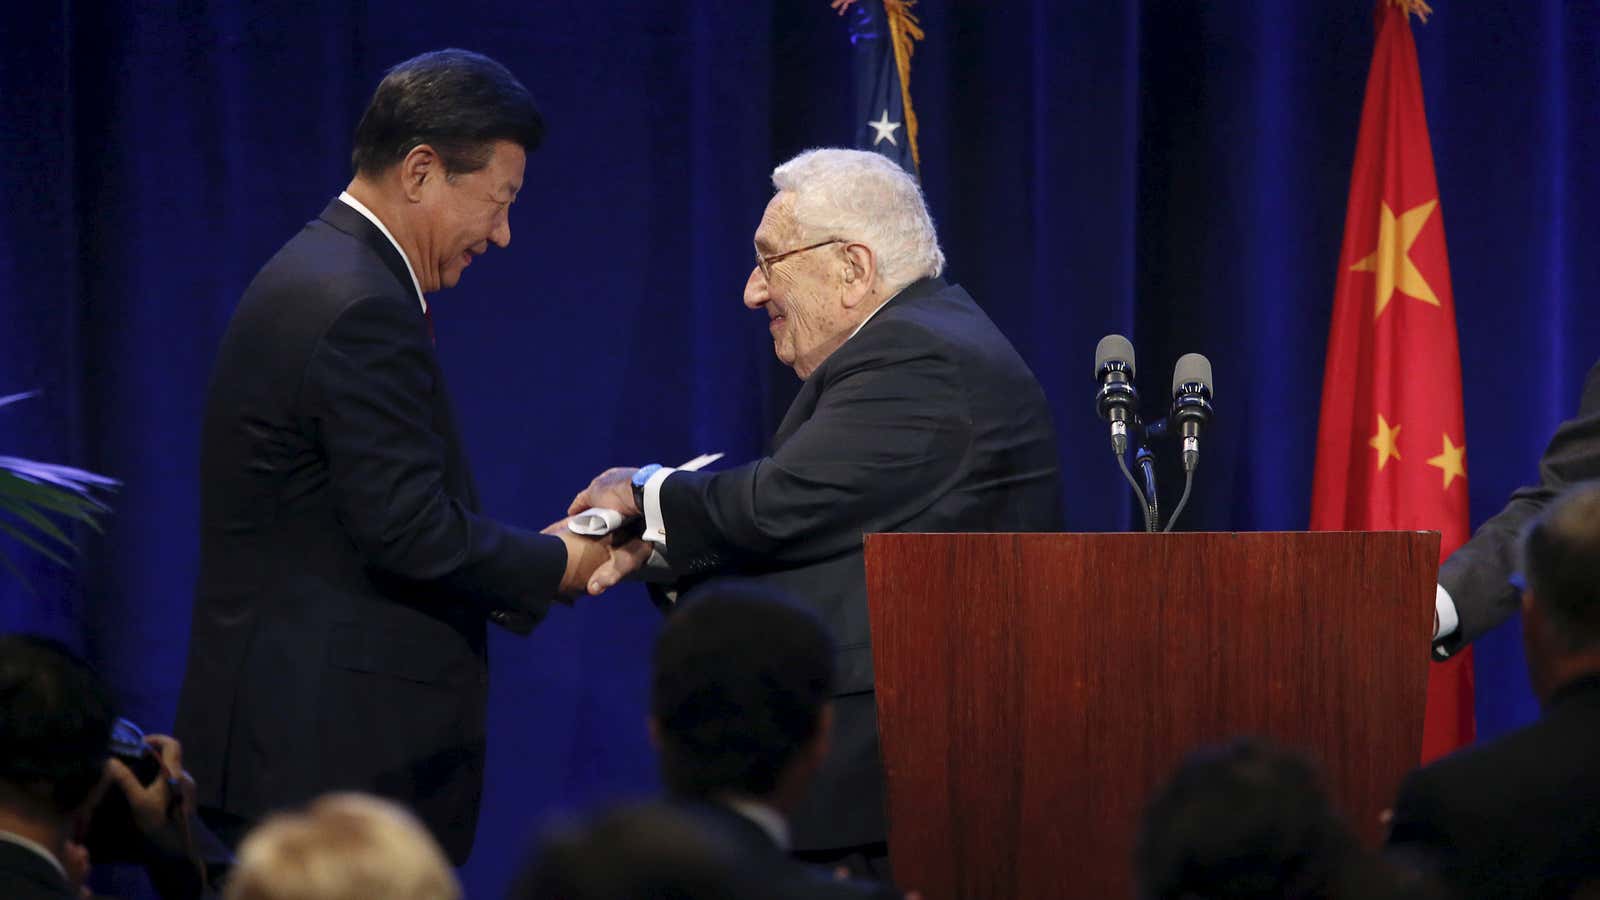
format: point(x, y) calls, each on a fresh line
point(346, 573)
point(56, 718)
point(741, 714)
point(1520, 816)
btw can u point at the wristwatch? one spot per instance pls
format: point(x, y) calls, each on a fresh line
point(639, 479)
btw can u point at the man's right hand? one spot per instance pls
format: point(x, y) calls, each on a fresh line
point(595, 565)
point(584, 556)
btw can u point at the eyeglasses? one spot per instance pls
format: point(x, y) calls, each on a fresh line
point(765, 263)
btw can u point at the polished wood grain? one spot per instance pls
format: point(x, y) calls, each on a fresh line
point(1034, 688)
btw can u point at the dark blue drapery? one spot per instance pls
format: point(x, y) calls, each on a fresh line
point(1174, 171)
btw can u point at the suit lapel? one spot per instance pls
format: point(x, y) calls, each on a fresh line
point(458, 475)
point(341, 216)
point(805, 402)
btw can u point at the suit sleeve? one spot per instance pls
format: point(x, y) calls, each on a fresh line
point(1476, 574)
point(370, 387)
point(890, 433)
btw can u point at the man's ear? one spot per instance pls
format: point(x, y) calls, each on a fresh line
point(415, 170)
point(653, 725)
point(860, 273)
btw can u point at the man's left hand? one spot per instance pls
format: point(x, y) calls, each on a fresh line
point(611, 489)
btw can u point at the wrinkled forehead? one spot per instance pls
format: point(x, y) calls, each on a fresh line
point(778, 227)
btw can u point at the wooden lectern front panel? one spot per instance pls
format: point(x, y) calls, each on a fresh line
point(1034, 688)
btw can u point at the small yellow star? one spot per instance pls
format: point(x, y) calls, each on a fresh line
point(1385, 442)
point(1391, 262)
point(1452, 461)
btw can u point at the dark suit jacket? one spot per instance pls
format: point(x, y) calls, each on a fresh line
point(925, 421)
point(25, 875)
point(1475, 575)
point(784, 878)
point(345, 573)
point(1516, 817)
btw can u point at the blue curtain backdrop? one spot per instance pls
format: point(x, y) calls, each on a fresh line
point(1177, 172)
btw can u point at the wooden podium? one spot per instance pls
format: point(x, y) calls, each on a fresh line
point(1034, 688)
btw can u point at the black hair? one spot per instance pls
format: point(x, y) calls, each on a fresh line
point(455, 101)
point(650, 850)
point(56, 716)
point(741, 676)
point(1561, 562)
point(1246, 821)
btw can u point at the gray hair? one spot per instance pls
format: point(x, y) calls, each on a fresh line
point(865, 197)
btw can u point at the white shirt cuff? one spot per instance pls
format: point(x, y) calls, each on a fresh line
point(655, 527)
point(1446, 608)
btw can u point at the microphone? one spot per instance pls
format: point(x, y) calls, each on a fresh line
point(1116, 401)
point(1191, 403)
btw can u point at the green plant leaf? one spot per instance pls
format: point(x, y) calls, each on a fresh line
point(39, 548)
point(32, 492)
point(42, 523)
point(70, 503)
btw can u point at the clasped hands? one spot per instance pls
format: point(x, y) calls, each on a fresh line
point(596, 564)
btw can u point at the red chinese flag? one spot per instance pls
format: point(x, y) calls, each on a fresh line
point(1391, 451)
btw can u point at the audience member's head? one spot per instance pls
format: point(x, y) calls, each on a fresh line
point(56, 717)
point(653, 851)
point(740, 703)
point(1561, 606)
point(342, 847)
point(1243, 821)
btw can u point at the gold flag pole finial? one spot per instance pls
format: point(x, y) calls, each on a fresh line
point(1418, 8)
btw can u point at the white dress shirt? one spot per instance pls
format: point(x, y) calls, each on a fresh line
point(1449, 620)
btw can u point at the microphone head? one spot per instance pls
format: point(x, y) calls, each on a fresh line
point(1192, 368)
point(1113, 348)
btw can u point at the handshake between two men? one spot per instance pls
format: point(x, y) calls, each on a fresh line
point(597, 563)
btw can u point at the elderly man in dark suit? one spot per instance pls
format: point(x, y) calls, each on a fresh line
point(1475, 594)
point(1520, 816)
point(346, 574)
point(915, 414)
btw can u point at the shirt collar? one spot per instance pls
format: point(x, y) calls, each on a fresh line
point(360, 207)
point(38, 848)
point(768, 819)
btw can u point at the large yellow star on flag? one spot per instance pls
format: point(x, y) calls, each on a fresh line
point(1391, 262)
point(1385, 442)
point(1452, 461)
